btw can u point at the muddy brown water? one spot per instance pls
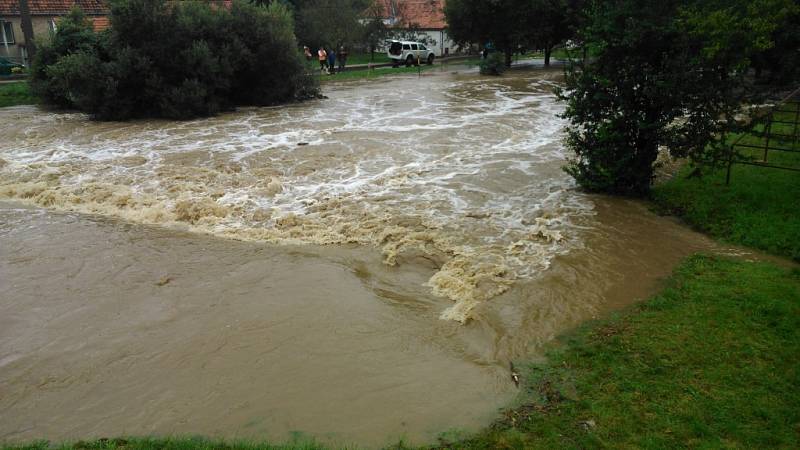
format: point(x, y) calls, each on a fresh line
point(360, 268)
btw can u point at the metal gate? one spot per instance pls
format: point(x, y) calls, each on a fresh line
point(772, 139)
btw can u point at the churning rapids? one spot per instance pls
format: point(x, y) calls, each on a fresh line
point(464, 173)
point(426, 236)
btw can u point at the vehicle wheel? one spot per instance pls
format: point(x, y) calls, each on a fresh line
point(430, 60)
point(409, 61)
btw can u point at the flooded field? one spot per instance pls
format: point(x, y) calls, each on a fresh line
point(360, 268)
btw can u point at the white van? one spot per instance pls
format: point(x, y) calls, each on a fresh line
point(408, 53)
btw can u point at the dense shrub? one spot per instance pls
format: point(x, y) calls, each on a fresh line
point(493, 64)
point(172, 59)
point(665, 74)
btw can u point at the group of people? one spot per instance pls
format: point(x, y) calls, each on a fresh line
point(327, 58)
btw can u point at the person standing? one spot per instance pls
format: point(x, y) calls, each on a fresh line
point(307, 53)
point(342, 58)
point(323, 58)
point(332, 61)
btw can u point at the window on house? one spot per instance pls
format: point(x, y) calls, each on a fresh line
point(6, 33)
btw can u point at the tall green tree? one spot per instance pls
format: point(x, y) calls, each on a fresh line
point(668, 74)
point(546, 23)
point(330, 22)
point(509, 25)
point(375, 32)
point(495, 22)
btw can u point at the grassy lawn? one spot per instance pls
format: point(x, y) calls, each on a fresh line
point(375, 73)
point(712, 361)
point(12, 94)
point(557, 53)
point(760, 207)
point(562, 53)
point(364, 58)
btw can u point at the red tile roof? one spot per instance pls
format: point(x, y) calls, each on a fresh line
point(54, 7)
point(100, 23)
point(424, 14)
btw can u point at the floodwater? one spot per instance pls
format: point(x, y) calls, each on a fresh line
point(360, 268)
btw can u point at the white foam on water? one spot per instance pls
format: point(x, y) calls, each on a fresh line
point(464, 171)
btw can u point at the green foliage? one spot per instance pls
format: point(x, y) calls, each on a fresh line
point(512, 25)
point(548, 23)
point(485, 21)
point(75, 36)
point(666, 74)
point(710, 362)
point(178, 60)
point(618, 105)
point(780, 58)
point(331, 23)
point(12, 94)
point(375, 33)
point(494, 64)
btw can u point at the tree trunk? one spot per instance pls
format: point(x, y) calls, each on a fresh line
point(509, 54)
point(27, 29)
point(548, 49)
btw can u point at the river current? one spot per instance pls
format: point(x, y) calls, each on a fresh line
point(361, 268)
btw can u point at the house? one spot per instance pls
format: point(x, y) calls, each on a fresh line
point(418, 20)
point(44, 17)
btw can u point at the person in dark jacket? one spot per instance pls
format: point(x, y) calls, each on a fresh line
point(332, 61)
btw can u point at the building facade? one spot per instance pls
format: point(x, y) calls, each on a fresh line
point(44, 17)
point(418, 20)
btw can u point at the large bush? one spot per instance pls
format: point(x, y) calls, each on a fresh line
point(174, 60)
point(493, 64)
point(666, 74)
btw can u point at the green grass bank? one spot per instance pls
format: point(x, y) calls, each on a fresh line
point(760, 208)
point(366, 74)
point(17, 93)
point(712, 361)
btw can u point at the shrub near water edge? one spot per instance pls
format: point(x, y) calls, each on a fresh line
point(493, 64)
point(175, 60)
